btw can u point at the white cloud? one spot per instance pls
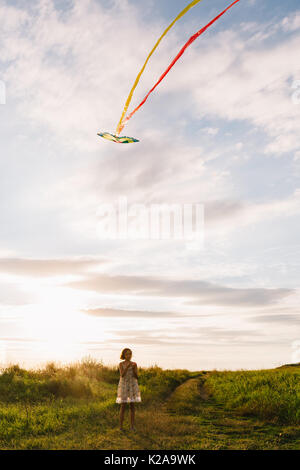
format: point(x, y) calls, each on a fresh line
point(291, 22)
point(64, 69)
point(67, 72)
point(227, 217)
point(210, 130)
point(297, 156)
point(247, 82)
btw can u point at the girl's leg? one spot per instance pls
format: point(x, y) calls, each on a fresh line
point(122, 411)
point(132, 415)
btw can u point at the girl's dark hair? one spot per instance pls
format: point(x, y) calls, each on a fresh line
point(124, 352)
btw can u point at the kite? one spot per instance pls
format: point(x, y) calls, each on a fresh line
point(119, 140)
point(123, 119)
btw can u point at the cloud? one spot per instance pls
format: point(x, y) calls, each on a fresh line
point(60, 81)
point(216, 211)
point(243, 213)
point(210, 130)
point(47, 267)
point(196, 292)
point(245, 79)
point(190, 336)
point(64, 69)
point(112, 312)
point(19, 340)
point(67, 71)
point(291, 22)
point(287, 319)
point(13, 294)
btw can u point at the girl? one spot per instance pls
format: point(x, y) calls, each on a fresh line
point(128, 389)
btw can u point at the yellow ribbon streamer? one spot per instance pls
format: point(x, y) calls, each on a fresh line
point(181, 14)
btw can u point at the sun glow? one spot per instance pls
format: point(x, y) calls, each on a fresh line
point(58, 328)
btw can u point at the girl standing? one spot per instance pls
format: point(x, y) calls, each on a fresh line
point(128, 389)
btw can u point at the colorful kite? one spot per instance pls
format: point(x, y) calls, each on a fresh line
point(118, 140)
point(124, 119)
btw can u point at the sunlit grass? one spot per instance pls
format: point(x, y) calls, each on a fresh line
point(269, 394)
point(73, 407)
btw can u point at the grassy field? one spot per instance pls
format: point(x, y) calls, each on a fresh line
point(73, 407)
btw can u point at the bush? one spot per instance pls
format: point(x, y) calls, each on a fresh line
point(17, 385)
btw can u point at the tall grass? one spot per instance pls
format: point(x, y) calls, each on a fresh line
point(53, 399)
point(85, 379)
point(156, 384)
point(272, 395)
point(75, 405)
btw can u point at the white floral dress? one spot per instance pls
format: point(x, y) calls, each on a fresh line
point(128, 389)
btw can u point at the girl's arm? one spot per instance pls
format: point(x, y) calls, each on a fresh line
point(123, 369)
point(135, 370)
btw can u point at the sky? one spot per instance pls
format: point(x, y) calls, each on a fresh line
point(222, 131)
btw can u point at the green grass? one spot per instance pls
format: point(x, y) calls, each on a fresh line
point(73, 407)
point(270, 395)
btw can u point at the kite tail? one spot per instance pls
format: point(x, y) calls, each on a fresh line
point(187, 44)
point(180, 15)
